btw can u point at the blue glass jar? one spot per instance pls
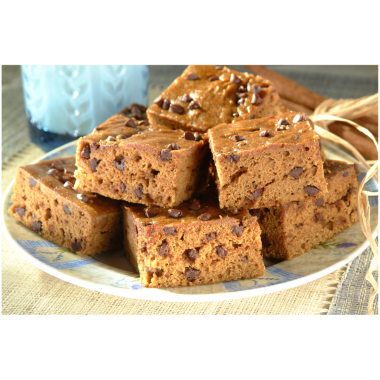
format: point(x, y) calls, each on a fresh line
point(65, 102)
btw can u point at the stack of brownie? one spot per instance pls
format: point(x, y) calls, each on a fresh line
point(213, 175)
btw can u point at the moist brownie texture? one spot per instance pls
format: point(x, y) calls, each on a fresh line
point(133, 161)
point(267, 162)
point(205, 96)
point(290, 230)
point(195, 243)
point(45, 202)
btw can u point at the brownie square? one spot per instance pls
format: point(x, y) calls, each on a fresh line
point(206, 95)
point(267, 162)
point(295, 228)
point(195, 243)
point(133, 161)
point(45, 201)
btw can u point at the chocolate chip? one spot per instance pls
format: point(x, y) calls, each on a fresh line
point(94, 145)
point(37, 226)
point(191, 274)
point(242, 89)
point(319, 202)
point(85, 152)
point(319, 218)
point(53, 172)
point(186, 98)
point(188, 136)
point(235, 114)
point(256, 99)
point(110, 139)
point(159, 101)
point(193, 105)
point(76, 246)
point(166, 104)
point(67, 209)
point(192, 76)
point(221, 251)
point(144, 122)
point(219, 67)
point(32, 182)
point(94, 164)
point(119, 164)
point(232, 158)
point(297, 137)
point(234, 78)
point(253, 116)
point(238, 230)
point(83, 198)
point(205, 216)
point(282, 128)
point(195, 205)
point(68, 185)
point(176, 108)
point(256, 194)
point(241, 101)
point(256, 89)
point(210, 236)
point(237, 138)
point(255, 212)
point(136, 110)
point(191, 254)
point(244, 259)
point(173, 146)
point(356, 167)
point(170, 231)
point(212, 78)
point(345, 174)
point(165, 154)
point(175, 213)
point(198, 136)
point(299, 117)
point(283, 121)
point(164, 248)
point(310, 190)
point(264, 133)
point(151, 212)
point(139, 191)
point(20, 211)
point(296, 172)
point(131, 123)
point(122, 187)
point(242, 95)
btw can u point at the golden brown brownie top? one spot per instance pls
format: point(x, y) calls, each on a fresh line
point(205, 96)
point(332, 168)
point(201, 208)
point(288, 128)
point(57, 174)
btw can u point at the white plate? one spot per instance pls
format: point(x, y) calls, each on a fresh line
point(111, 273)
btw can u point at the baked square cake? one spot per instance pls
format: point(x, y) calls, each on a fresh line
point(206, 95)
point(267, 162)
point(195, 243)
point(295, 228)
point(44, 200)
point(133, 161)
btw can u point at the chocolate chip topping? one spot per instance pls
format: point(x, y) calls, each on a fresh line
point(193, 105)
point(139, 191)
point(85, 152)
point(204, 217)
point(256, 194)
point(159, 101)
point(221, 251)
point(131, 123)
point(264, 133)
point(173, 146)
point(237, 138)
point(67, 209)
point(32, 182)
point(176, 108)
point(37, 226)
point(186, 98)
point(144, 122)
point(166, 104)
point(119, 164)
point(165, 154)
point(256, 89)
point(319, 218)
point(283, 121)
point(296, 172)
point(110, 139)
point(175, 213)
point(20, 211)
point(68, 185)
point(191, 274)
point(235, 114)
point(151, 212)
point(53, 172)
point(94, 145)
point(212, 78)
point(76, 246)
point(192, 76)
point(195, 205)
point(310, 190)
point(210, 236)
point(192, 136)
point(237, 230)
point(232, 158)
point(170, 231)
point(234, 78)
point(83, 198)
point(242, 89)
point(164, 248)
point(299, 117)
point(191, 254)
point(256, 99)
point(94, 164)
point(242, 95)
point(319, 202)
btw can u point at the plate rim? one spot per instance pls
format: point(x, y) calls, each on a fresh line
point(149, 293)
